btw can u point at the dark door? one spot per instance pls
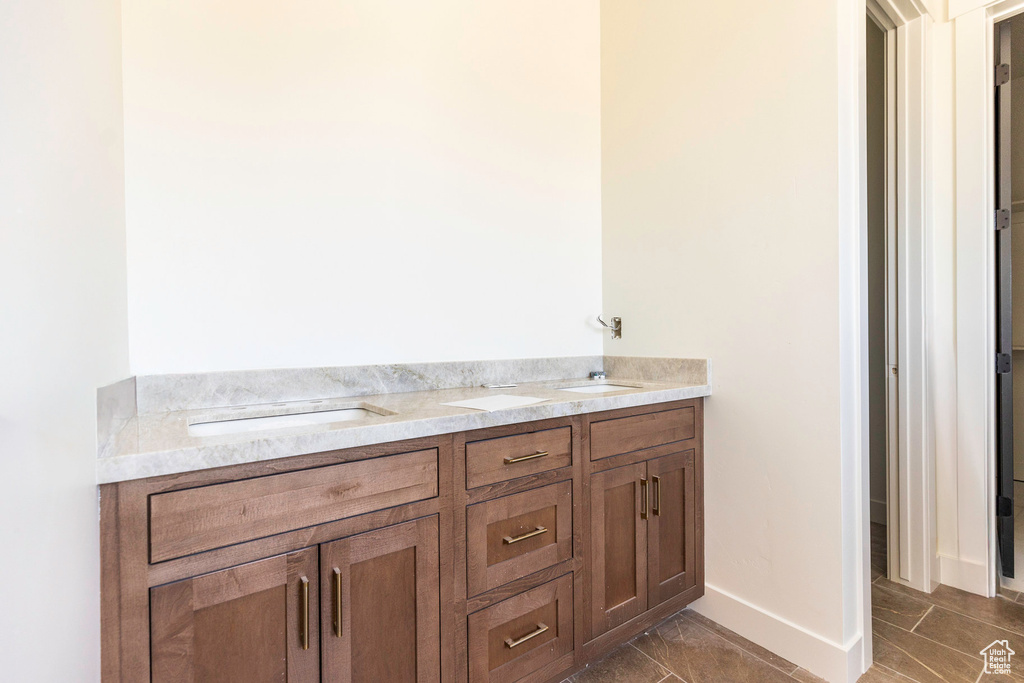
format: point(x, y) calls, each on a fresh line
point(1004, 310)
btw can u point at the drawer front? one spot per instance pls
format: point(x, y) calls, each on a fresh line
point(508, 457)
point(628, 434)
point(195, 520)
point(522, 634)
point(511, 537)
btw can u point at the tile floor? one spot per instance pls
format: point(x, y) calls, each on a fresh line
point(689, 647)
point(917, 637)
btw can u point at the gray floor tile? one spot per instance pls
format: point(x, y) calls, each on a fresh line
point(1001, 613)
point(625, 664)
point(697, 655)
point(897, 609)
point(736, 639)
point(921, 659)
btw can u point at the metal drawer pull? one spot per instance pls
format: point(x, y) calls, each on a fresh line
point(657, 496)
point(643, 499)
point(337, 602)
point(521, 458)
point(509, 643)
point(509, 540)
point(304, 634)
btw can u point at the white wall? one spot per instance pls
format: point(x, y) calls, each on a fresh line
point(321, 183)
point(729, 165)
point(64, 322)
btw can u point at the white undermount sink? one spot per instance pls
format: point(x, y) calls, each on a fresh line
point(599, 388)
point(229, 424)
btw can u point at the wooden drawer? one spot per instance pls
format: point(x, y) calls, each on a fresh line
point(194, 520)
point(636, 432)
point(522, 634)
point(508, 457)
point(511, 537)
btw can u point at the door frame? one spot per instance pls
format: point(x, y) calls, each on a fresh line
point(916, 485)
point(912, 555)
point(975, 568)
point(912, 549)
point(894, 514)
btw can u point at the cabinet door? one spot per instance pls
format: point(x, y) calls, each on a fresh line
point(381, 612)
point(618, 546)
point(248, 624)
point(671, 527)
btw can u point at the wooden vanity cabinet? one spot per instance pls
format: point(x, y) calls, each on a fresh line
point(517, 553)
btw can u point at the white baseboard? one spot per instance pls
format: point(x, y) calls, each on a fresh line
point(964, 574)
point(878, 512)
point(822, 657)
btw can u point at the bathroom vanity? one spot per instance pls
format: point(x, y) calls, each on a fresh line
point(520, 551)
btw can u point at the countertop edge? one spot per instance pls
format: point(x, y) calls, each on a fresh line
point(134, 466)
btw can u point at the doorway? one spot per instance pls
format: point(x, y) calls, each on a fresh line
point(1009, 262)
point(882, 290)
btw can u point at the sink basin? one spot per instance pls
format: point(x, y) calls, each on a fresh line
point(239, 425)
point(600, 388)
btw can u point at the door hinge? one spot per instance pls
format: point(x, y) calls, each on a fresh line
point(1004, 506)
point(1002, 74)
point(1004, 363)
point(1002, 219)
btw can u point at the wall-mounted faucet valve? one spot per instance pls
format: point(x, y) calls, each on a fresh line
point(615, 327)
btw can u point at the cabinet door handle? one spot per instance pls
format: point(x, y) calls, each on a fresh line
point(337, 602)
point(643, 498)
point(522, 458)
point(304, 608)
point(509, 643)
point(509, 540)
point(656, 509)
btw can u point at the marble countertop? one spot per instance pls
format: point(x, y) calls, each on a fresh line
point(155, 444)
